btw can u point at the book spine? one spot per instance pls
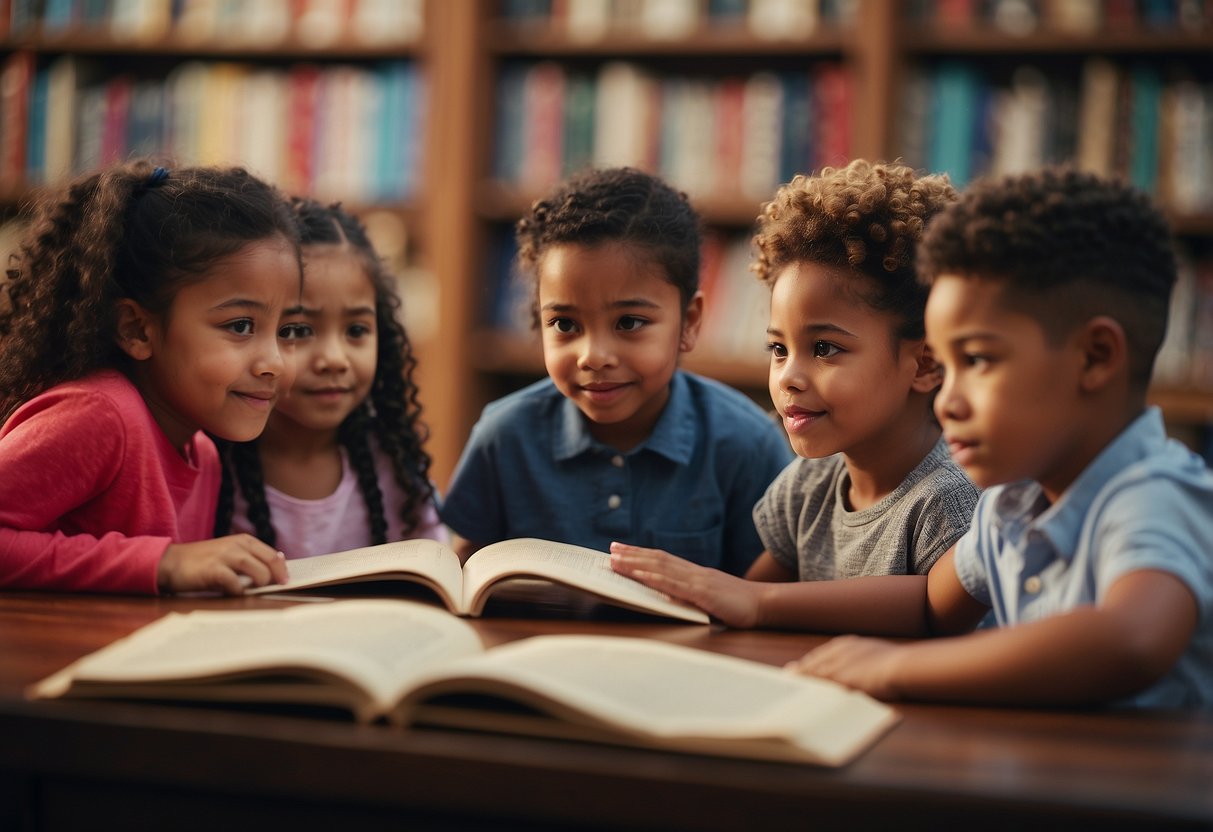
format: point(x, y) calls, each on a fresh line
point(16, 81)
point(35, 146)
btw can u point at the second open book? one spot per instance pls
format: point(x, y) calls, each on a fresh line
point(412, 663)
point(465, 590)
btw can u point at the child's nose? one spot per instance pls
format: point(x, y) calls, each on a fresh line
point(330, 357)
point(596, 352)
point(950, 405)
point(791, 376)
point(270, 361)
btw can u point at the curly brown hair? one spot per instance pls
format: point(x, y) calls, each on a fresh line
point(868, 217)
point(129, 231)
point(621, 205)
point(391, 413)
point(1069, 246)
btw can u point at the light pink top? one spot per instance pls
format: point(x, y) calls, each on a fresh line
point(339, 521)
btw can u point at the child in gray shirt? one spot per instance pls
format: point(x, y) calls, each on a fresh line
point(875, 491)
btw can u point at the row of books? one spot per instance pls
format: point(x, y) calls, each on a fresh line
point(736, 135)
point(338, 131)
point(1114, 120)
point(316, 23)
point(589, 20)
point(1077, 17)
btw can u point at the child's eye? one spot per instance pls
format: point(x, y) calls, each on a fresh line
point(977, 360)
point(564, 326)
point(294, 331)
point(358, 331)
point(824, 349)
point(240, 326)
point(631, 323)
point(776, 349)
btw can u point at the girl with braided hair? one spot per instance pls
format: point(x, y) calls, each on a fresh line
point(145, 309)
point(341, 464)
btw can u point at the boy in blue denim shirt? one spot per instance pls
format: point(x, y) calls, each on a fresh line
point(617, 443)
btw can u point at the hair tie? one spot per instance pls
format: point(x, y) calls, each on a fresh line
point(158, 175)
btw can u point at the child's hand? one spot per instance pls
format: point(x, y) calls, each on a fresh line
point(868, 664)
point(731, 600)
point(228, 564)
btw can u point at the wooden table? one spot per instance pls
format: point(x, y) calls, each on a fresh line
point(90, 765)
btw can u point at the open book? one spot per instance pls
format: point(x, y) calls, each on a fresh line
point(412, 663)
point(465, 590)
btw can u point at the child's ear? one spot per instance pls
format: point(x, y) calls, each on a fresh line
point(929, 373)
point(134, 329)
point(692, 320)
point(1105, 352)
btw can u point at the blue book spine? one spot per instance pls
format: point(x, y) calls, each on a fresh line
point(509, 151)
point(955, 111)
point(391, 177)
point(796, 152)
point(1144, 121)
point(35, 137)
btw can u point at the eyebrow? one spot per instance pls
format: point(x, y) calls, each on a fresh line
point(313, 311)
point(625, 303)
point(240, 303)
point(815, 329)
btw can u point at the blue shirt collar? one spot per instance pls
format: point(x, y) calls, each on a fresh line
point(673, 436)
point(1062, 522)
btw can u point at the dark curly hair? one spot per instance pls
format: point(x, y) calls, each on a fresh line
point(129, 231)
point(1068, 245)
point(390, 415)
point(615, 205)
point(868, 217)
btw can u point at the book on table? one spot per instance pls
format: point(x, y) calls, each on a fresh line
point(408, 663)
point(465, 588)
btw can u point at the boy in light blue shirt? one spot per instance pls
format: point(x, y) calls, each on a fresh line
point(1093, 542)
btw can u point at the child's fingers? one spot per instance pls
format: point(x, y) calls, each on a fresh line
point(260, 562)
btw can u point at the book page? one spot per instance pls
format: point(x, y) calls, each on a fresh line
point(422, 560)
point(375, 646)
point(564, 563)
point(673, 696)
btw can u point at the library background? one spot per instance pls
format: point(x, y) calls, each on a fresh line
point(438, 121)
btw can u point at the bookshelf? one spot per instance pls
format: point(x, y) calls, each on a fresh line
point(484, 60)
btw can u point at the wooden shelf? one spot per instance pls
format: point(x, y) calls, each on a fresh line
point(1184, 406)
point(176, 46)
point(977, 42)
point(514, 40)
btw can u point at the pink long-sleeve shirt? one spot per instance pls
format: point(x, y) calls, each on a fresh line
point(92, 492)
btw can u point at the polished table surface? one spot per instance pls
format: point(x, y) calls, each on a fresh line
point(91, 764)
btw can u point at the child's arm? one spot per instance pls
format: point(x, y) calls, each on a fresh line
point(228, 564)
point(893, 605)
point(766, 568)
point(1092, 654)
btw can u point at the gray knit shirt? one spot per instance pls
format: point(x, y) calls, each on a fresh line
point(805, 524)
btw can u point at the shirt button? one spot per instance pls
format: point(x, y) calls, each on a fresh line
point(1032, 585)
point(617, 461)
point(614, 501)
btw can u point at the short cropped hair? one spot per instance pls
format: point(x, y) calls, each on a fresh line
point(616, 205)
point(1069, 246)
